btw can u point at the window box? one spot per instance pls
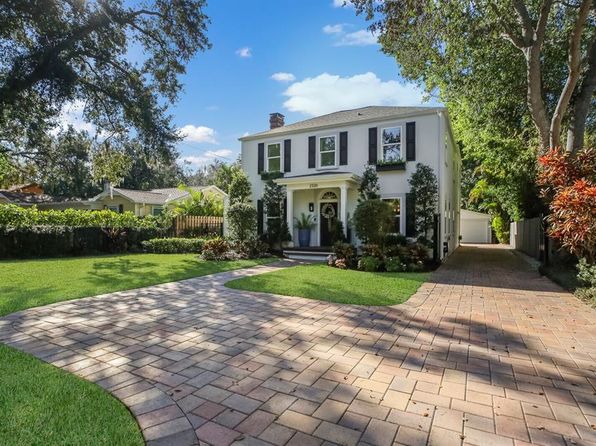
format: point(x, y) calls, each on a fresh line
point(266, 176)
point(388, 166)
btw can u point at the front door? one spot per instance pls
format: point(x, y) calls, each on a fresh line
point(327, 219)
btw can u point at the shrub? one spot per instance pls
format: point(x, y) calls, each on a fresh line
point(587, 273)
point(568, 181)
point(372, 250)
point(372, 220)
point(341, 264)
point(425, 189)
point(242, 222)
point(216, 249)
point(369, 263)
point(394, 264)
point(344, 251)
point(395, 239)
point(252, 249)
point(173, 245)
point(418, 253)
point(199, 203)
point(501, 228)
point(239, 190)
point(17, 217)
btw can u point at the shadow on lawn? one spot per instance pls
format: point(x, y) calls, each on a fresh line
point(269, 339)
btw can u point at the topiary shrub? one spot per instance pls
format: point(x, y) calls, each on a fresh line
point(173, 245)
point(372, 220)
point(369, 264)
point(242, 222)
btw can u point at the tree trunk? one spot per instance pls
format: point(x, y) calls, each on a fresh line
point(535, 101)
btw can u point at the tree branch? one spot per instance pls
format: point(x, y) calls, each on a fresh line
point(574, 65)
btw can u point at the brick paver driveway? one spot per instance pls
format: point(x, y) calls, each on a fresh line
point(486, 353)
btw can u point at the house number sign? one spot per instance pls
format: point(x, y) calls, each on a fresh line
point(313, 185)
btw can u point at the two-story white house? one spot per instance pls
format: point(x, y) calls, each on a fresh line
point(320, 161)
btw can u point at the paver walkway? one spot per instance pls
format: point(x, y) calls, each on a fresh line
point(486, 353)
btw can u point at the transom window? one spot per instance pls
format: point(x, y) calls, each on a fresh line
point(396, 207)
point(327, 151)
point(274, 157)
point(391, 144)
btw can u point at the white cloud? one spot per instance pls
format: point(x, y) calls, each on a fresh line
point(244, 52)
point(327, 93)
point(283, 77)
point(341, 3)
point(198, 133)
point(72, 115)
point(205, 158)
point(361, 37)
point(333, 29)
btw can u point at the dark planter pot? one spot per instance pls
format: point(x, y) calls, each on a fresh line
point(304, 237)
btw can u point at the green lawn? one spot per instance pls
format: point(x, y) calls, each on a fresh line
point(335, 285)
point(43, 405)
point(31, 283)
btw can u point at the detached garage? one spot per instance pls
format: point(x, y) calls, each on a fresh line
point(475, 227)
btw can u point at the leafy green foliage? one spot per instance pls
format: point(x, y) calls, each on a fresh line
point(242, 222)
point(305, 221)
point(240, 188)
point(199, 203)
point(369, 263)
point(273, 203)
point(59, 53)
point(501, 228)
point(215, 249)
point(369, 185)
point(110, 165)
point(424, 187)
point(16, 216)
point(372, 219)
point(174, 245)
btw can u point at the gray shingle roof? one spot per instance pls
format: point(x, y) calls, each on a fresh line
point(356, 115)
point(154, 196)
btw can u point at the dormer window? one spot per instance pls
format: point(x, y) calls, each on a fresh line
point(274, 157)
point(327, 151)
point(391, 144)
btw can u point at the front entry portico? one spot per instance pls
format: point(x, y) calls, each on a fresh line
point(327, 197)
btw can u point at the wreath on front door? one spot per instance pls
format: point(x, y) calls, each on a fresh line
point(328, 211)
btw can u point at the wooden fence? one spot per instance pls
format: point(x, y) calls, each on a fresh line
point(196, 226)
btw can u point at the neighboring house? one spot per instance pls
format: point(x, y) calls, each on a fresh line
point(149, 202)
point(320, 161)
point(475, 227)
point(33, 194)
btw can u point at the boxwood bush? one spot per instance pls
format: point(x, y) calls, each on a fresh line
point(174, 245)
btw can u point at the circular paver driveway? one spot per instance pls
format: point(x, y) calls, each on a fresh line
point(486, 353)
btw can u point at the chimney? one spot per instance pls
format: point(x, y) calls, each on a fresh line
point(276, 120)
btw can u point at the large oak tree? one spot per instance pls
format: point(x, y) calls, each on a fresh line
point(121, 60)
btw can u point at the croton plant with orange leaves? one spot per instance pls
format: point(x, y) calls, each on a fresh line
point(568, 181)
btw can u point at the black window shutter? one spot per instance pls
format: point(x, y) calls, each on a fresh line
point(410, 141)
point(312, 152)
point(343, 148)
point(261, 162)
point(372, 145)
point(284, 213)
point(287, 155)
point(410, 215)
point(260, 217)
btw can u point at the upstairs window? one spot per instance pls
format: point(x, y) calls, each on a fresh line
point(391, 144)
point(274, 157)
point(327, 151)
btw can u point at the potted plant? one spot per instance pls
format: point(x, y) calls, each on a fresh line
point(304, 224)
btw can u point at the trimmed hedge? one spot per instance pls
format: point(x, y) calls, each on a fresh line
point(13, 216)
point(174, 245)
point(56, 241)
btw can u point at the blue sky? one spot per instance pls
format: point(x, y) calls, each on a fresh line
point(327, 59)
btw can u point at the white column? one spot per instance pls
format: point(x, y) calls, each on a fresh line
point(343, 206)
point(290, 213)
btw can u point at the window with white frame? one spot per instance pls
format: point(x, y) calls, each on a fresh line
point(391, 144)
point(274, 157)
point(396, 207)
point(327, 151)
